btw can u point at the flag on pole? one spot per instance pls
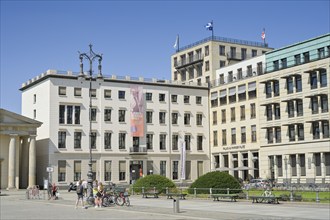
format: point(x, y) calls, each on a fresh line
point(263, 35)
point(209, 26)
point(176, 42)
point(183, 159)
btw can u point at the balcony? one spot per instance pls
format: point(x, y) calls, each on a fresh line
point(137, 150)
point(197, 58)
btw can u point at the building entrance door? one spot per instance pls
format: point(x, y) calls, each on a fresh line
point(136, 170)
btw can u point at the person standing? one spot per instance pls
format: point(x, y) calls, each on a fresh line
point(80, 194)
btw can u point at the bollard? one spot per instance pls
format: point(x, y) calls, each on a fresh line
point(227, 190)
point(291, 196)
point(317, 196)
point(195, 194)
point(176, 205)
point(210, 192)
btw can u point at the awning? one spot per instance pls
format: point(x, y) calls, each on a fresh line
point(214, 95)
point(252, 86)
point(223, 93)
point(232, 91)
point(245, 168)
point(241, 89)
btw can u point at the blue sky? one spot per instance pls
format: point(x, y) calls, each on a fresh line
point(136, 38)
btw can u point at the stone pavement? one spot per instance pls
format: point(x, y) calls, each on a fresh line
point(14, 205)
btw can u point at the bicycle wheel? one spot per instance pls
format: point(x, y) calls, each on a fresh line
point(106, 201)
point(120, 200)
point(90, 200)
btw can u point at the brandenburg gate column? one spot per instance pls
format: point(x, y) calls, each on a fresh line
point(12, 161)
point(32, 161)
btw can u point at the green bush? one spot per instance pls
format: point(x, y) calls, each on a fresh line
point(219, 181)
point(151, 181)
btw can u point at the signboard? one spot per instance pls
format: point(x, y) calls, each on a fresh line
point(50, 169)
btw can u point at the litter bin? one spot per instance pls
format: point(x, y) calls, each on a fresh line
point(176, 205)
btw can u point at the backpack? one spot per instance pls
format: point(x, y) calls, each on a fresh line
point(79, 189)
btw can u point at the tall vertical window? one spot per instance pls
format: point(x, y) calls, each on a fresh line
point(186, 99)
point(69, 114)
point(232, 114)
point(121, 115)
point(270, 135)
point(77, 139)
point(277, 111)
point(292, 134)
point(269, 112)
point(323, 78)
point(199, 142)
point(232, 52)
point(298, 83)
point(34, 98)
point(187, 118)
point(149, 138)
point(77, 115)
point(224, 137)
point(253, 133)
point(207, 50)
point(107, 93)
point(215, 117)
point(77, 170)
point(175, 169)
point(300, 128)
point(149, 117)
point(254, 53)
point(162, 117)
point(175, 139)
point(243, 135)
point(233, 136)
point(242, 92)
point(276, 65)
point(297, 60)
point(187, 139)
point(320, 53)
point(122, 170)
point(325, 129)
point(162, 170)
point(324, 103)
point(199, 119)
point(62, 114)
point(198, 100)
point(107, 170)
point(34, 114)
point(222, 50)
point(315, 105)
point(313, 80)
point(268, 89)
point(278, 134)
point(243, 53)
point(61, 170)
point(215, 138)
point(300, 108)
point(161, 97)
point(174, 98)
point(276, 85)
point(107, 140)
point(188, 170)
point(306, 57)
point(223, 116)
point(259, 68)
point(148, 96)
point(107, 114)
point(93, 140)
point(175, 116)
point(93, 114)
point(289, 85)
point(122, 140)
point(207, 65)
point(283, 63)
point(121, 94)
point(162, 141)
point(290, 109)
point(61, 139)
point(253, 110)
point(93, 93)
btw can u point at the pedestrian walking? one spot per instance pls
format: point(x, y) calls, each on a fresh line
point(80, 194)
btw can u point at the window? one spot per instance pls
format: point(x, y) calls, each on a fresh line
point(175, 170)
point(149, 117)
point(93, 93)
point(136, 143)
point(122, 170)
point(77, 92)
point(93, 114)
point(222, 50)
point(323, 78)
point(150, 167)
point(253, 110)
point(61, 170)
point(321, 53)
point(315, 105)
point(174, 118)
point(77, 140)
point(224, 137)
point(62, 90)
point(77, 115)
point(276, 65)
point(61, 139)
point(277, 111)
point(93, 139)
point(298, 83)
point(122, 141)
point(187, 139)
point(107, 93)
point(300, 132)
point(233, 52)
point(191, 73)
point(188, 170)
point(199, 142)
point(242, 93)
point(316, 130)
point(175, 139)
point(162, 116)
point(300, 108)
point(121, 115)
point(207, 65)
point(121, 94)
point(150, 141)
point(270, 135)
point(162, 170)
point(77, 170)
point(162, 97)
point(253, 133)
point(174, 98)
point(306, 57)
point(254, 53)
point(268, 89)
point(252, 90)
point(230, 76)
point(242, 109)
point(259, 68)
point(162, 141)
point(199, 119)
point(243, 135)
point(223, 116)
point(243, 51)
point(232, 94)
point(94, 169)
point(289, 85)
point(215, 138)
point(107, 170)
point(249, 70)
point(269, 112)
point(148, 96)
point(62, 114)
point(297, 59)
point(276, 85)
point(186, 99)
point(290, 109)
point(325, 129)
point(292, 135)
point(223, 97)
point(324, 103)
point(222, 63)
point(107, 114)
point(187, 118)
point(34, 114)
point(207, 51)
point(34, 98)
point(283, 63)
point(239, 73)
point(233, 136)
point(232, 114)
point(198, 100)
point(69, 114)
point(107, 140)
point(214, 99)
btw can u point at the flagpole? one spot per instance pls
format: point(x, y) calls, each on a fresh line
point(212, 29)
point(265, 37)
point(178, 44)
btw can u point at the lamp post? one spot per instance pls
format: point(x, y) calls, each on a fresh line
point(286, 171)
point(90, 57)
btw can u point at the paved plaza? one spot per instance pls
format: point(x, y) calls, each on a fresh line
point(14, 205)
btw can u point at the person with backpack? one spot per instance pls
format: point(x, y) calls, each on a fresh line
point(80, 194)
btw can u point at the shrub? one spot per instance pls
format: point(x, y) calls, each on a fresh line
point(151, 181)
point(220, 181)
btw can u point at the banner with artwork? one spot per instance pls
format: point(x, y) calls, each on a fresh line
point(137, 110)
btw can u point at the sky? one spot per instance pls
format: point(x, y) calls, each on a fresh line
point(136, 38)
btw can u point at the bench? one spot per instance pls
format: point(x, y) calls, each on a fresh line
point(150, 193)
point(267, 199)
point(180, 195)
point(232, 197)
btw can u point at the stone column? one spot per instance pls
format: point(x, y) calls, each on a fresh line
point(298, 168)
point(11, 161)
point(275, 167)
point(25, 162)
point(240, 164)
point(32, 161)
point(230, 163)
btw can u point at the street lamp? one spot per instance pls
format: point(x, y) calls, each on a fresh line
point(90, 57)
point(286, 171)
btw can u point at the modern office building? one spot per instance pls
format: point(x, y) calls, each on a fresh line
point(124, 148)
